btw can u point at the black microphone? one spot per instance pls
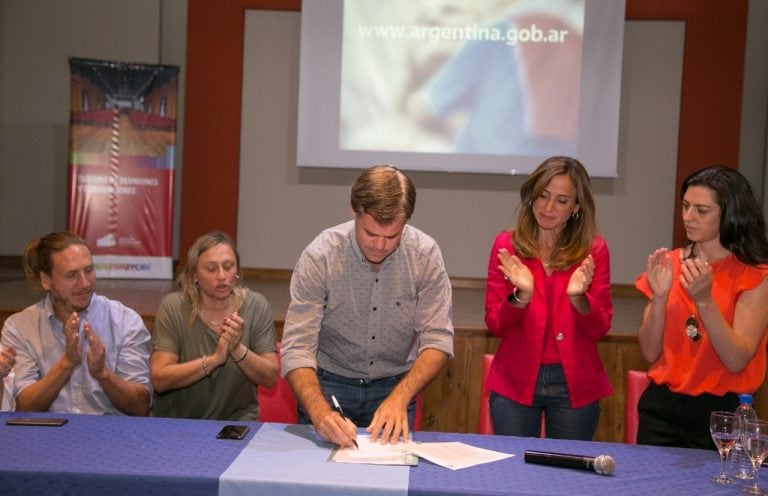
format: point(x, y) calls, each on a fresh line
point(603, 464)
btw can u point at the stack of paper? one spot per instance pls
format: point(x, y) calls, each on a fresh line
point(376, 453)
point(453, 455)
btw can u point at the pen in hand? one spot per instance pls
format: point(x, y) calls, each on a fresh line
point(337, 407)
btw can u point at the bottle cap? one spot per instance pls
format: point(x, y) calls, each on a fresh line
point(745, 398)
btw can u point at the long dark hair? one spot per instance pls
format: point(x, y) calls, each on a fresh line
point(742, 225)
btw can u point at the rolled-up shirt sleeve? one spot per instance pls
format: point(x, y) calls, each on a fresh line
point(304, 316)
point(434, 308)
point(132, 361)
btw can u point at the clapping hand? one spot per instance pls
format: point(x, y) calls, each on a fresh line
point(515, 271)
point(72, 337)
point(230, 334)
point(696, 278)
point(581, 278)
point(231, 331)
point(95, 356)
point(7, 361)
point(659, 272)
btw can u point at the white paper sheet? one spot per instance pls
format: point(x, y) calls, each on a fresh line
point(455, 455)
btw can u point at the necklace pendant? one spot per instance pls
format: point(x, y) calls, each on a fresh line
point(692, 328)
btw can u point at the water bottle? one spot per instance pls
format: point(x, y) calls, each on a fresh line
point(741, 466)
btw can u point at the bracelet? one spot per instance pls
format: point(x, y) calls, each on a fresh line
point(516, 297)
point(242, 357)
point(205, 366)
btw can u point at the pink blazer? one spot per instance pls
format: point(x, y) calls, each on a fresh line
point(516, 364)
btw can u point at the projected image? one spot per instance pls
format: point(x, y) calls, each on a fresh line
point(496, 77)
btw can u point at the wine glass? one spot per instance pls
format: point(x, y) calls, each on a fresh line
point(754, 441)
point(725, 428)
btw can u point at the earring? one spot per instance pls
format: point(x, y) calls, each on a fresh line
point(575, 215)
point(530, 203)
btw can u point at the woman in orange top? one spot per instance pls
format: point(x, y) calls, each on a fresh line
point(704, 326)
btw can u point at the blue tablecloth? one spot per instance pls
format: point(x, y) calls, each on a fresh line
point(100, 455)
point(293, 460)
point(104, 455)
point(640, 470)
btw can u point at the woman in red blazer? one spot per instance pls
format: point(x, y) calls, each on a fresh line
point(548, 299)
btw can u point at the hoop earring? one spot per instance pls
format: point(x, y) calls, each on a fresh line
point(575, 215)
point(530, 203)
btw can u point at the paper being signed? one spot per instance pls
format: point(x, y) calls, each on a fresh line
point(452, 455)
point(376, 453)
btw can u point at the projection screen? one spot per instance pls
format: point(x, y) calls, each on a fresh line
point(474, 86)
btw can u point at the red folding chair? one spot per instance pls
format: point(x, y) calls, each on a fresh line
point(637, 381)
point(277, 404)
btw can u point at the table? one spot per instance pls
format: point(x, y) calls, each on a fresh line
point(105, 455)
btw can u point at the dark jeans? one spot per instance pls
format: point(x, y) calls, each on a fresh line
point(359, 398)
point(674, 419)
point(511, 418)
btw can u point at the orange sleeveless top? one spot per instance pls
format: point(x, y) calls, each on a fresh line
point(693, 367)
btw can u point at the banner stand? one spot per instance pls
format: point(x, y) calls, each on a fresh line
point(121, 153)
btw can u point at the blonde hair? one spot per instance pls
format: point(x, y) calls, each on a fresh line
point(186, 279)
point(573, 242)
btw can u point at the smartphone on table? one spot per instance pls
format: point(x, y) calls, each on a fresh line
point(40, 421)
point(233, 432)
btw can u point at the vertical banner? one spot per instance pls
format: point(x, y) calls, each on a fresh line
point(122, 139)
